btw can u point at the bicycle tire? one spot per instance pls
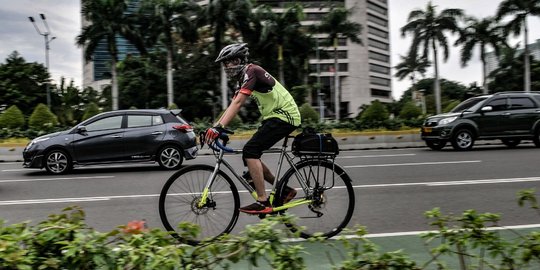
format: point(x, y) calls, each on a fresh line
point(181, 193)
point(340, 196)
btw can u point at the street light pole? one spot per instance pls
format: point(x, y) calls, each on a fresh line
point(45, 35)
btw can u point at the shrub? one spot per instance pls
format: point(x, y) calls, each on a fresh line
point(91, 110)
point(375, 112)
point(451, 105)
point(12, 118)
point(42, 118)
point(410, 111)
point(235, 123)
point(299, 93)
point(172, 107)
point(308, 114)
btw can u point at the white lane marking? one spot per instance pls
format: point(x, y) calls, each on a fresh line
point(412, 233)
point(10, 163)
point(80, 199)
point(105, 198)
point(55, 179)
point(414, 164)
point(20, 170)
point(455, 183)
point(370, 156)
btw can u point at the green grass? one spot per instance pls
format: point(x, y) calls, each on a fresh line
point(10, 142)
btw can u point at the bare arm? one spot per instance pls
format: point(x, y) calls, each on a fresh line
point(232, 110)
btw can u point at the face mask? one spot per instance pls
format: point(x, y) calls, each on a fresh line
point(233, 71)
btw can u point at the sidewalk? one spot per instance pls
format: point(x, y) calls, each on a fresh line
point(353, 141)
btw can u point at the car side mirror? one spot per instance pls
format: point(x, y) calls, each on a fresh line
point(487, 109)
point(81, 129)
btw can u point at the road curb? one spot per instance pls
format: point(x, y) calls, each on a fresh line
point(347, 141)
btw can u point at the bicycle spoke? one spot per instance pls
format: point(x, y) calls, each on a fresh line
point(331, 194)
point(181, 196)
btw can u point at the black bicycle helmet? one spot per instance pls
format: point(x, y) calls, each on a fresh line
point(238, 50)
point(234, 51)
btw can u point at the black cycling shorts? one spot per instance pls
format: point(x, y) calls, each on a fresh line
point(269, 133)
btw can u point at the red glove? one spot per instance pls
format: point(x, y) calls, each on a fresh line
point(211, 134)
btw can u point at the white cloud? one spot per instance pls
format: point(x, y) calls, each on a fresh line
point(18, 34)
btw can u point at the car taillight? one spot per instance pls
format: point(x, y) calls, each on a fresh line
point(184, 128)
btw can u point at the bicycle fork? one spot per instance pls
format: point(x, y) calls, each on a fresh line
point(206, 190)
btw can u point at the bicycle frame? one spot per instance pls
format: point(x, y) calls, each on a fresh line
point(284, 155)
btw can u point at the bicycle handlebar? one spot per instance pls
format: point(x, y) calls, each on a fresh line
point(217, 145)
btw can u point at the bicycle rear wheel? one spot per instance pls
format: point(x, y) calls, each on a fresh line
point(180, 197)
point(330, 189)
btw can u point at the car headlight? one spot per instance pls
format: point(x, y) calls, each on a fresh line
point(37, 140)
point(447, 120)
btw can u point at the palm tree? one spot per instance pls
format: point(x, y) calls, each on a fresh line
point(168, 20)
point(428, 30)
point(336, 24)
point(481, 33)
point(520, 9)
point(107, 21)
point(280, 29)
point(410, 65)
point(222, 15)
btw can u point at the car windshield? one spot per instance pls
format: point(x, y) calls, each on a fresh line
point(468, 105)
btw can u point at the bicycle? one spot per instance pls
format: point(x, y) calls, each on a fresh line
point(206, 196)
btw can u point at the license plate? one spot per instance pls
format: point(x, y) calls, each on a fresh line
point(427, 129)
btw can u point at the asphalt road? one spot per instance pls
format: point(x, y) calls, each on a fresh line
point(394, 187)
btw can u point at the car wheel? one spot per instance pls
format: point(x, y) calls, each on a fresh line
point(536, 138)
point(511, 143)
point(436, 145)
point(463, 140)
point(170, 157)
point(58, 162)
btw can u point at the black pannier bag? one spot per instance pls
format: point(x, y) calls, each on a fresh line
point(310, 143)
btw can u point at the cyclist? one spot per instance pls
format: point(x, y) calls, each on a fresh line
point(279, 113)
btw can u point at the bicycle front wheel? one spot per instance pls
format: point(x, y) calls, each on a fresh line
point(180, 198)
point(329, 190)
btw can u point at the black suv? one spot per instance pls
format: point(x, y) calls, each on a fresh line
point(160, 136)
point(507, 116)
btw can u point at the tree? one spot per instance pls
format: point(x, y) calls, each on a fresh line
point(428, 30)
point(142, 80)
point(169, 21)
point(67, 103)
point(281, 29)
point(509, 76)
point(520, 9)
point(91, 110)
point(409, 66)
point(308, 114)
point(22, 84)
point(450, 91)
point(482, 33)
point(336, 24)
point(222, 15)
point(108, 20)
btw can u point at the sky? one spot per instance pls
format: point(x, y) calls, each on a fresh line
point(65, 59)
